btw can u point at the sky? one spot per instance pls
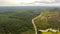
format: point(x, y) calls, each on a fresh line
point(29, 2)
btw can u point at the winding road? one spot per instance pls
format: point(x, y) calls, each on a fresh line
point(35, 27)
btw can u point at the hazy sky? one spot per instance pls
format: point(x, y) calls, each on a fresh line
point(29, 2)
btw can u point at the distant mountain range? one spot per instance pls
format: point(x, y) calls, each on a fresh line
point(27, 7)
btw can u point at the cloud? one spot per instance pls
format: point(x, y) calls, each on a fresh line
point(58, 1)
point(29, 2)
point(47, 1)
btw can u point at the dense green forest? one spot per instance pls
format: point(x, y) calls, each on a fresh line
point(19, 21)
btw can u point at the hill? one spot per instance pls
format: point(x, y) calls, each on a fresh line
point(48, 20)
point(18, 20)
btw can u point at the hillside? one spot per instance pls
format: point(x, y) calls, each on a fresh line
point(19, 21)
point(48, 20)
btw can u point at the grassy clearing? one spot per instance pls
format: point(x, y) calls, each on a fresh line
point(51, 33)
point(58, 33)
point(47, 33)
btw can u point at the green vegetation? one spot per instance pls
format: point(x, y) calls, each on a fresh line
point(50, 33)
point(47, 33)
point(48, 20)
point(19, 21)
